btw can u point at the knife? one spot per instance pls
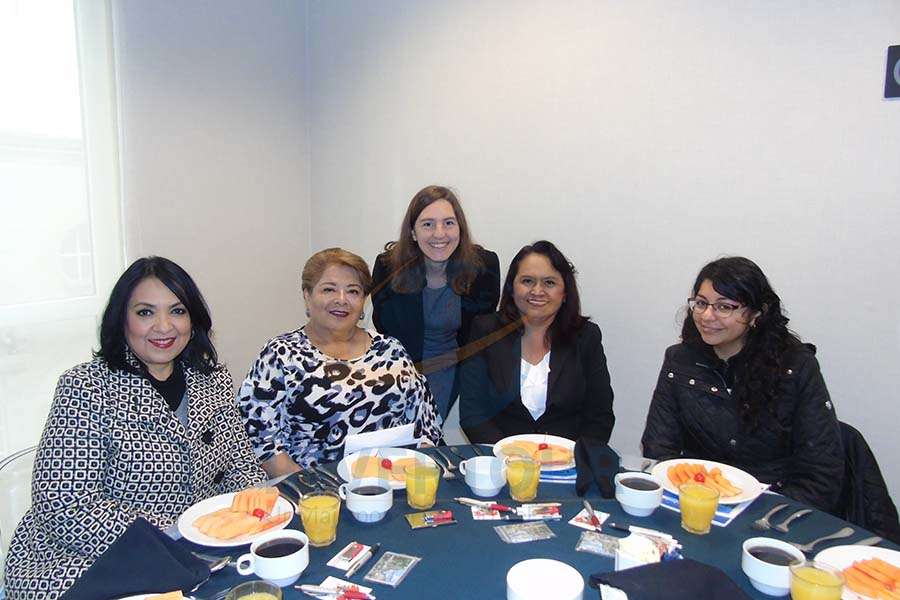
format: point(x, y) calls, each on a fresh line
point(327, 475)
point(450, 464)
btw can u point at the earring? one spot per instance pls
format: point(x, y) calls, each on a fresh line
point(307, 312)
point(362, 315)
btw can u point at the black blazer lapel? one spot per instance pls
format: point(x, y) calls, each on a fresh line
point(505, 363)
point(561, 356)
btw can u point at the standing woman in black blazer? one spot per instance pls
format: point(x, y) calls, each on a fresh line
point(541, 366)
point(430, 283)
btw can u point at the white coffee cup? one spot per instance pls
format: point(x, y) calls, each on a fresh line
point(367, 507)
point(280, 570)
point(486, 475)
point(638, 502)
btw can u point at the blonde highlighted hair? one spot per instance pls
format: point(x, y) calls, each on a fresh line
point(321, 260)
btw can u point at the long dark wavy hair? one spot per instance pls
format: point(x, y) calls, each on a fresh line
point(199, 352)
point(740, 279)
point(568, 320)
point(406, 258)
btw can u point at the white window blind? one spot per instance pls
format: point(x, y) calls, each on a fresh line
point(60, 231)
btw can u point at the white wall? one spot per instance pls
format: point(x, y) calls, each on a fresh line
point(645, 138)
point(215, 155)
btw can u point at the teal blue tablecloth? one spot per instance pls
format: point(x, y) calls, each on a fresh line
point(469, 561)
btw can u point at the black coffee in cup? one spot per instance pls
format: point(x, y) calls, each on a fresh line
point(279, 547)
point(369, 490)
point(638, 483)
point(773, 556)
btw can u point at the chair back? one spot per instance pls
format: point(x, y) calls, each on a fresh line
point(15, 496)
point(865, 500)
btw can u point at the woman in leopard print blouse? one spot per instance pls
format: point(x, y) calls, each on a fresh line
point(312, 387)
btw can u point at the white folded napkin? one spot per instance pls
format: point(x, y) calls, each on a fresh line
point(404, 435)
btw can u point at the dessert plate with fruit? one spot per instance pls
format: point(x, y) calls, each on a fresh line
point(235, 519)
point(385, 463)
point(734, 485)
point(554, 453)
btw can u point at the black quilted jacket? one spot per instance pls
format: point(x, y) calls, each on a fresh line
point(798, 450)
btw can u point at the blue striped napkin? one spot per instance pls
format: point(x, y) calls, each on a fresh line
point(567, 476)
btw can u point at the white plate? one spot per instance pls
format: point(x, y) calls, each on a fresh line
point(343, 468)
point(539, 438)
point(841, 557)
point(750, 486)
point(191, 533)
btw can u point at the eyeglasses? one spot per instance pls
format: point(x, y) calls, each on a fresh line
point(720, 309)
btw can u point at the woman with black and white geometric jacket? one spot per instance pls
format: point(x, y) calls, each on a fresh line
point(146, 429)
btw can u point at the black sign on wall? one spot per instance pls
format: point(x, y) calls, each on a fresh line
point(892, 81)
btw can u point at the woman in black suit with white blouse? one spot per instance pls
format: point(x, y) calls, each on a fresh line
point(145, 430)
point(539, 365)
point(430, 284)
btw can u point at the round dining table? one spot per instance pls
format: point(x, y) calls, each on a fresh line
point(469, 561)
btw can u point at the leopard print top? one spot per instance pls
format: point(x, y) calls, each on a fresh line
point(298, 400)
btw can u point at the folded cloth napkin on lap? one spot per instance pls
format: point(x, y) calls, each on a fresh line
point(143, 560)
point(669, 580)
point(595, 461)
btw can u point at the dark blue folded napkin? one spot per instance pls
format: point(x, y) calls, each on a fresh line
point(672, 580)
point(143, 560)
point(595, 462)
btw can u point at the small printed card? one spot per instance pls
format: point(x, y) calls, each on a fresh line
point(526, 512)
point(584, 521)
point(391, 568)
point(333, 583)
point(343, 559)
point(524, 532)
point(430, 518)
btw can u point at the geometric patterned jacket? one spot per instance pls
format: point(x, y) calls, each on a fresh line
point(112, 450)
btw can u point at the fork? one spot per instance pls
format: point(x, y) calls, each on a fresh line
point(763, 523)
point(807, 548)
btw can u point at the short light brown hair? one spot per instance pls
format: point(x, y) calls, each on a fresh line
point(318, 262)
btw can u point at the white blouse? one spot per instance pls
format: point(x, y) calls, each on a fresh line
point(533, 386)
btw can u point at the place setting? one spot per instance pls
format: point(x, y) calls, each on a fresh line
point(505, 486)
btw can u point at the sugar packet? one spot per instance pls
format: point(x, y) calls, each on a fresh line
point(524, 532)
point(343, 559)
point(391, 568)
point(597, 543)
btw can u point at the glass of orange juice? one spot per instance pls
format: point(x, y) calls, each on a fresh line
point(422, 484)
point(813, 580)
point(319, 512)
point(523, 475)
point(698, 505)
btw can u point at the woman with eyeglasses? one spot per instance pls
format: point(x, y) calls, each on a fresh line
point(743, 390)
